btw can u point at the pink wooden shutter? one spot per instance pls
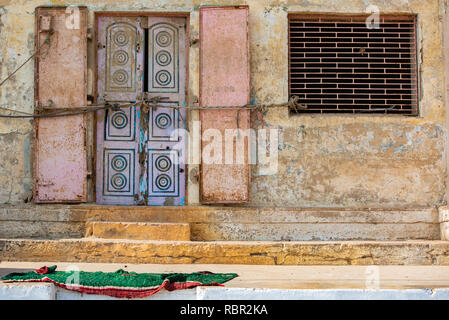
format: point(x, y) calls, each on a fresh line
point(224, 81)
point(60, 166)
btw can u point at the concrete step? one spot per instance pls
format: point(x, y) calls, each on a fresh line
point(138, 230)
point(208, 223)
point(228, 252)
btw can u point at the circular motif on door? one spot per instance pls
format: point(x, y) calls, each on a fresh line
point(163, 58)
point(163, 182)
point(118, 181)
point(163, 163)
point(120, 57)
point(121, 39)
point(119, 120)
point(163, 120)
point(163, 39)
point(119, 163)
point(120, 77)
point(163, 77)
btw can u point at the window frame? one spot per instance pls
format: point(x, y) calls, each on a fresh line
point(313, 16)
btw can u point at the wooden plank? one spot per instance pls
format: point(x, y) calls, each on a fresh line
point(224, 80)
point(60, 164)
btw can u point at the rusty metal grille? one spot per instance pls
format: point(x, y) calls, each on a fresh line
point(339, 65)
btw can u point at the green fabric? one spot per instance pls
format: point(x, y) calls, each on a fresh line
point(121, 278)
point(52, 269)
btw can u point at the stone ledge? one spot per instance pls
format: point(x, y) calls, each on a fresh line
point(314, 231)
point(139, 230)
point(229, 252)
point(443, 216)
point(229, 223)
point(208, 214)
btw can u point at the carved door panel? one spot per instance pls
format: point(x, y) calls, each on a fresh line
point(120, 71)
point(140, 152)
point(165, 142)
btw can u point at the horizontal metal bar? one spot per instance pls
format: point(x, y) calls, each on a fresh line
point(295, 36)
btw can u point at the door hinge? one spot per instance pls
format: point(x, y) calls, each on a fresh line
point(90, 34)
point(45, 23)
point(45, 184)
point(144, 23)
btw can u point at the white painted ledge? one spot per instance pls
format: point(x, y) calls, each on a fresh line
point(46, 291)
point(27, 291)
point(207, 293)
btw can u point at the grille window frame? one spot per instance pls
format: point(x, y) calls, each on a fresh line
point(336, 65)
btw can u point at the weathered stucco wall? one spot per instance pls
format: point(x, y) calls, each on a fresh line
point(332, 160)
point(354, 160)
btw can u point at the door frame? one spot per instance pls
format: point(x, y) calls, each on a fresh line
point(97, 15)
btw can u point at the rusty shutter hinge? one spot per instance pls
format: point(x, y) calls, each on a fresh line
point(45, 23)
point(90, 34)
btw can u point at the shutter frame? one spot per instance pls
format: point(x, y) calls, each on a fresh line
point(60, 156)
point(225, 84)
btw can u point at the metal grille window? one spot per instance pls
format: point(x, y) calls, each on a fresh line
point(339, 65)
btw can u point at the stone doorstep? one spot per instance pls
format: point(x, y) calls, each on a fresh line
point(229, 223)
point(92, 250)
point(209, 214)
point(138, 230)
